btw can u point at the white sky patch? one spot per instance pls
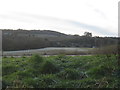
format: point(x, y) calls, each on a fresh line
point(56, 14)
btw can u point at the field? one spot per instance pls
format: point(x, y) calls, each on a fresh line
point(61, 71)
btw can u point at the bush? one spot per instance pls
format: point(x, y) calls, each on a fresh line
point(35, 61)
point(24, 74)
point(30, 82)
point(71, 74)
point(8, 69)
point(23, 56)
point(107, 50)
point(48, 80)
point(8, 79)
point(60, 57)
point(49, 67)
point(100, 71)
point(43, 81)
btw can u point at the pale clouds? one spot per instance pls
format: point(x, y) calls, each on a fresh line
point(97, 16)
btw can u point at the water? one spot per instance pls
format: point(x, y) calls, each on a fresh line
point(49, 50)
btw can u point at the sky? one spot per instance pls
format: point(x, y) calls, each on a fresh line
point(100, 17)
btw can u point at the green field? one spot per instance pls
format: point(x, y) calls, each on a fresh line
point(97, 71)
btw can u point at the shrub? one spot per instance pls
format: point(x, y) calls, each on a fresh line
point(24, 74)
point(70, 74)
point(48, 80)
point(35, 61)
point(60, 57)
point(101, 71)
point(30, 82)
point(8, 69)
point(23, 56)
point(43, 81)
point(107, 50)
point(8, 79)
point(49, 67)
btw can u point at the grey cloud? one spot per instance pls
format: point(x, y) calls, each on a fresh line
point(26, 17)
point(13, 17)
point(37, 17)
point(92, 28)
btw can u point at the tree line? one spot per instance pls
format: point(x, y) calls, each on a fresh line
point(35, 39)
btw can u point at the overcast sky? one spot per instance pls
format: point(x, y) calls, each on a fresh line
point(99, 17)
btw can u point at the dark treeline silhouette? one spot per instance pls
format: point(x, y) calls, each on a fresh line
point(35, 39)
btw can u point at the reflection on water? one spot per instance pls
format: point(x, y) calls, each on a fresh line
point(49, 50)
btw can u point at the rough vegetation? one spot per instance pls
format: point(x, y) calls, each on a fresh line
point(61, 72)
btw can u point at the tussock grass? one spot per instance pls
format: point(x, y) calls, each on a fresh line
point(61, 72)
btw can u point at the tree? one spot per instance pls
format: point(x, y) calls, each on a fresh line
point(88, 34)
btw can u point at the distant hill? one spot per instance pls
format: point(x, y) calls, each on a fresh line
point(35, 39)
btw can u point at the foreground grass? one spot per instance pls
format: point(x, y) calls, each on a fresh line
point(61, 72)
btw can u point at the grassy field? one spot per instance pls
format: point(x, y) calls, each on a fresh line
point(61, 71)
